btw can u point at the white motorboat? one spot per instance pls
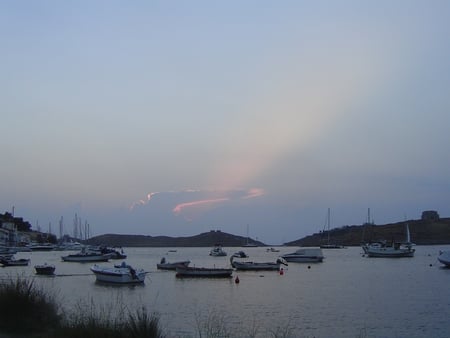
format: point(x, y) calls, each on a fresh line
point(305, 255)
point(164, 265)
point(444, 258)
point(119, 274)
point(394, 250)
point(257, 266)
point(217, 251)
point(86, 256)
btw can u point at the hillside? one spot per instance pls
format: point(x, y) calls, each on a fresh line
point(423, 232)
point(206, 239)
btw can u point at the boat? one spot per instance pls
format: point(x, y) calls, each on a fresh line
point(85, 255)
point(444, 258)
point(328, 244)
point(257, 266)
point(14, 262)
point(45, 269)
point(394, 250)
point(217, 251)
point(164, 265)
point(304, 255)
point(112, 252)
point(272, 250)
point(186, 271)
point(249, 244)
point(41, 246)
point(118, 274)
point(240, 254)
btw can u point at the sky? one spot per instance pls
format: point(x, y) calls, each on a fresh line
point(251, 117)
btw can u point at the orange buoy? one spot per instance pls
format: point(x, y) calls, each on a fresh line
point(236, 280)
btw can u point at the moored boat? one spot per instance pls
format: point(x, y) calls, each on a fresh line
point(119, 274)
point(14, 262)
point(444, 258)
point(187, 271)
point(217, 251)
point(394, 250)
point(240, 254)
point(45, 269)
point(257, 266)
point(305, 255)
point(164, 265)
point(86, 256)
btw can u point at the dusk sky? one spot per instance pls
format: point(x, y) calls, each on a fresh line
point(179, 117)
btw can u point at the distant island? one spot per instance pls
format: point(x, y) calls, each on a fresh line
point(423, 232)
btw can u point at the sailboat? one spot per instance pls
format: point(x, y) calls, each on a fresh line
point(329, 245)
point(248, 244)
point(395, 250)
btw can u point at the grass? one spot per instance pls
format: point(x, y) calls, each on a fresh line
point(28, 310)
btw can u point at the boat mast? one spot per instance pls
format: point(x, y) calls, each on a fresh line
point(328, 224)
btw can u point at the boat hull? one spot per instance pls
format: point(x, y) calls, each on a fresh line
point(44, 269)
point(172, 266)
point(118, 275)
point(203, 272)
point(250, 266)
point(308, 255)
point(15, 262)
point(85, 258)
point(387, 253)
point(444, 258)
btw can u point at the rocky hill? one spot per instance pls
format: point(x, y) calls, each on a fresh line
point(423, 232)
point(206, 239)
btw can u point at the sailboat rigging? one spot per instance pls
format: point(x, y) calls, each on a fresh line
point(330, 245)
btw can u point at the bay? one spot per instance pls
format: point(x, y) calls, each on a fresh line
point(348, 295)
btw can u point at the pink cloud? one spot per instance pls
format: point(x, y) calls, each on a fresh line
point(199, 203)
point(254, 192)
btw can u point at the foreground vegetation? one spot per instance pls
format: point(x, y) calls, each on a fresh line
point(28, 310)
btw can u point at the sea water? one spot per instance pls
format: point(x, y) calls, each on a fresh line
point(348, 295)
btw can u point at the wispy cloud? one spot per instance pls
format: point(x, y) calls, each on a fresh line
point(200, 203)
point(143, 201)
point(197, 201)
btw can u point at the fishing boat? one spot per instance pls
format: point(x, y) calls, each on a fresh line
point(257, 266)
point(394, 250)
point(217, 251)
point(187, 271)
point(85, 256)
point(14, 262)
point(444, 258)
point(45, 269)
point(328, 244)
point(164, 265)
point(305, 255)
point(118, 274)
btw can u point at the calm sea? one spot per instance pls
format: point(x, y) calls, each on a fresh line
point(347, 295)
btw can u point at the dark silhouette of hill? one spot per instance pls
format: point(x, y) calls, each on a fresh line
point(423, 232)
point(206, 239)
